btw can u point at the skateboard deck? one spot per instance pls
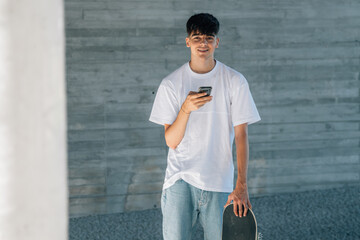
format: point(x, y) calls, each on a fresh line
point(238, 228)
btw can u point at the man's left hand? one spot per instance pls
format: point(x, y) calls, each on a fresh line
point(240, 198)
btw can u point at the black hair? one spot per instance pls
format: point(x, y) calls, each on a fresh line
point(203, 23)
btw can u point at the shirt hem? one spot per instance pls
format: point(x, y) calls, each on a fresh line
point(248, 120)
point(159, 121)
point(207, 188)
point(167, 185)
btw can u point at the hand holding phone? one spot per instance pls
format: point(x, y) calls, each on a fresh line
point(206, 89)
point(196, 100)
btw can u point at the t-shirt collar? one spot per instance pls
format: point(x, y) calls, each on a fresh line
point(202, 75)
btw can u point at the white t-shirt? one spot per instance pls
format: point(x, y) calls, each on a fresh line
point(204, 156)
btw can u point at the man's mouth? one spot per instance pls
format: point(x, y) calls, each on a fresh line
point(203, 50)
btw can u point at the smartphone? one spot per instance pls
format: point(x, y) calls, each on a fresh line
point(205, 89)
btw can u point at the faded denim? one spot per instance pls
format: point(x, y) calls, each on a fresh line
point(182, 204)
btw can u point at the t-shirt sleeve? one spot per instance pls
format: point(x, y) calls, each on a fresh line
point(165, 107)
point(243, 108)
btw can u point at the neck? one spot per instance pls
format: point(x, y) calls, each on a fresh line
point(202, 65)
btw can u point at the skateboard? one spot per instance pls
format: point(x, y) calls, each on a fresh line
point(238, 228)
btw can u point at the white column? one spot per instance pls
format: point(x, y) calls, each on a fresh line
point(33, 169)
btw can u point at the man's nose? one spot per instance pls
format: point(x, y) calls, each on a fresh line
point(204, 41)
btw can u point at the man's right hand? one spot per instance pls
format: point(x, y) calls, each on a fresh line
point(195, 101)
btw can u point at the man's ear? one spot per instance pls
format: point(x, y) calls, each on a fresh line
point(217, 42)
point(187, 40)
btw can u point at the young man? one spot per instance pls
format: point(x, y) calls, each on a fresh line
point(199, 131)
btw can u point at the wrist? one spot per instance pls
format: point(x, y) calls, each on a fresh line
point(185, 111)
point(241, 184)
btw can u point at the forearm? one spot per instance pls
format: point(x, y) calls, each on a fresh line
point(242, 155)
point(175, 133)
point(240, 195)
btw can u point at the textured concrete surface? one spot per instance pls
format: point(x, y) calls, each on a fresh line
point(332, 214)
point(301, 59)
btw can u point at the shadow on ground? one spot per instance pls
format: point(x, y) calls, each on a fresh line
point(324, 214)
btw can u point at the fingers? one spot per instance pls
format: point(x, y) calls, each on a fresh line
point(199, 102)
point(228, 202)
point(245, 210)
point(192, 94)
point(207, 98)
point(195, 100)
point(241, 202)
point(241, 209)
point(196, 94)
point(236, 209)
point(202, 101)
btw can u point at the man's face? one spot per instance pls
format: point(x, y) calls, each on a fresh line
point(202, 45)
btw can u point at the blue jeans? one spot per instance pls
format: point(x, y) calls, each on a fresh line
point(182, 204)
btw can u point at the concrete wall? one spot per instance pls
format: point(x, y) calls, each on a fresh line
point(301, 59)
